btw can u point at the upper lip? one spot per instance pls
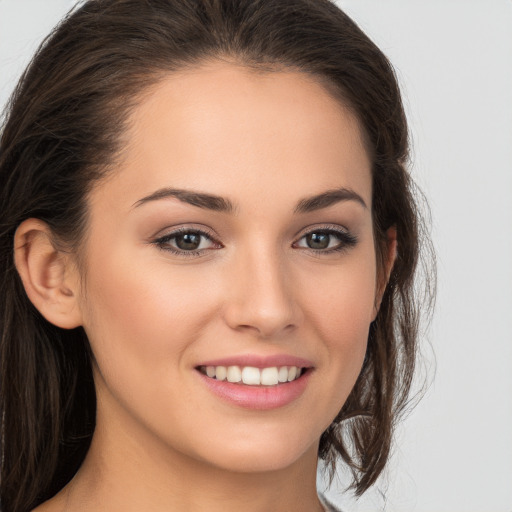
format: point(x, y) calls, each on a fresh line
point(259, 361)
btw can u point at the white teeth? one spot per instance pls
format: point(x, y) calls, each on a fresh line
point(221, 373)
point(292, 373)
point(269, 376)
point(234, 374)
point(252, 376)
point(282, 375)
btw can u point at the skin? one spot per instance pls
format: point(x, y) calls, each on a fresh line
point(163, 441)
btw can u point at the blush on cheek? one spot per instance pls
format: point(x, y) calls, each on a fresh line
point(342, 318)
point(150, 315)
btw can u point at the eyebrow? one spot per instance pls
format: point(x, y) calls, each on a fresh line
point(328, 198)
point(221, 204)
point(199, 199)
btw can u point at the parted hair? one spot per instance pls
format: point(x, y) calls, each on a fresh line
point(62, 131)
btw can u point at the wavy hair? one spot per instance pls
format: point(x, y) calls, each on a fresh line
point(63, 131)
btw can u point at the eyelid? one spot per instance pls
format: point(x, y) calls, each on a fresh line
point(185, 228)
point(345, 237)
point(321, 227)
point(162, 240)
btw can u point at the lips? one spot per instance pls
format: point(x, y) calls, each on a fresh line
point(257, 382)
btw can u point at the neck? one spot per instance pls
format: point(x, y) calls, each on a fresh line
point(131, 471)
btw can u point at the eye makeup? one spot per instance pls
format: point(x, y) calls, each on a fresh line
point(187, 236)
point(194, 242)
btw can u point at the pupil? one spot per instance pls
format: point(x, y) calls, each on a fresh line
point(188, 241)
point(318, 240)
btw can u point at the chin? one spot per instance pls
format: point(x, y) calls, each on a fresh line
point(260, 452)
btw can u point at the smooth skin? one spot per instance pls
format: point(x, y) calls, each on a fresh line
point(253, 285)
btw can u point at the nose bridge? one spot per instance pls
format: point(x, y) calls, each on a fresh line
point(262, 296)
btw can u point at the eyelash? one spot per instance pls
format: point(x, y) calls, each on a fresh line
point(346, 241)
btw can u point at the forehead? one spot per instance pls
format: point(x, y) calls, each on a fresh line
point(227, 130)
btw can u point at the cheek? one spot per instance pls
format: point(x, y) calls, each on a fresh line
point(343, 300)
point(137, 313)
point(142, 321)
point(340, 308)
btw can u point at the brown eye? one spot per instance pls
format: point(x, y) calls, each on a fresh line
point(318, 240)
point(188, 241)
point(325, 241)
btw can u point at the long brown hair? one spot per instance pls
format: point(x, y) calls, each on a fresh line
point(63, 131)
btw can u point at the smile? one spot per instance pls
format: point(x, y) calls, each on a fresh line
point(252, 376)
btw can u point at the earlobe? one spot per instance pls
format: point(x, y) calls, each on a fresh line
point(391, 254)
point(47, 274)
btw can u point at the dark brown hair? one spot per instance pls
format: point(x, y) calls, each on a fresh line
point(63, 131)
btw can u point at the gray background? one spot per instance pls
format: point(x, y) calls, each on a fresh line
point(454, 62)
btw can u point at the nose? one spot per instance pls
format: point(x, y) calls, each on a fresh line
point(260, 296)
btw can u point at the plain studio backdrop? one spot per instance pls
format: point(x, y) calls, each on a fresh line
point(454, 61)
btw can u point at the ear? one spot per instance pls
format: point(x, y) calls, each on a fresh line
point(390, 258)
point(49, 276)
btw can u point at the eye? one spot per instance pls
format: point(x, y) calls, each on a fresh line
point(327, 240)
point(187, 242)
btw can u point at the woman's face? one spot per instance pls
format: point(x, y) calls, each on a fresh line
point(234, 237)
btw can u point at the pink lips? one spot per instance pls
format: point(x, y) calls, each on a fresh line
point(258, 397)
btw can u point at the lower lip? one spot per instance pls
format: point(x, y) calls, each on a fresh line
point(258, 397)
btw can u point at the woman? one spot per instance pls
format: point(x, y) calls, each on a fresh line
point(209, 243)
